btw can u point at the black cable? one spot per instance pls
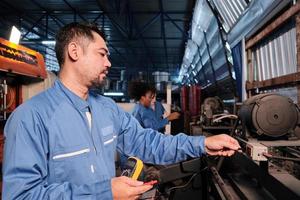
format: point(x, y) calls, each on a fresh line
point(281, 157)
point(189, 181)
point(178, 187)
point(221, 160)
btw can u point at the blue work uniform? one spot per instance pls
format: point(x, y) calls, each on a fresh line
point(52, 152)
point(147, 118)
point(159, 110)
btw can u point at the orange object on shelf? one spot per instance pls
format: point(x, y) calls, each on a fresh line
point(18, 59)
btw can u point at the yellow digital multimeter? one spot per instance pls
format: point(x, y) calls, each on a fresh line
point(134, 168)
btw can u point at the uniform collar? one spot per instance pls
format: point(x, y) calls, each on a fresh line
point(79, 103)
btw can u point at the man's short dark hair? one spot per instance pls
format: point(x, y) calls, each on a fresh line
point(74, 30)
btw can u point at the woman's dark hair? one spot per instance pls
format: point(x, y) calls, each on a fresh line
point(153, 89)
point(138, 89)
point(73, 31)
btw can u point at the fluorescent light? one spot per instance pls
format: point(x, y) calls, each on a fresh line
point(15, 35)
point(229, 101)
point(113, 94)
point(48, 42)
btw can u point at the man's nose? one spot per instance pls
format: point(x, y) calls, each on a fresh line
point(108, 63)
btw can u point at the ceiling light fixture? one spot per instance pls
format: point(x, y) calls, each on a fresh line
point(15, 35)
point(113, 94)
point(48, 42)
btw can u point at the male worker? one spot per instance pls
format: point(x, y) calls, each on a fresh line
point(61, 143)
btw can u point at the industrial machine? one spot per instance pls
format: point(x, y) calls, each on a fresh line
point(213, 117)
point(268, 167)
point(19, 66)
point(211, 107)
point(269, 116)
point(186, 179)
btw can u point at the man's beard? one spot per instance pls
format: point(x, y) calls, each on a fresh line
point(97, 83)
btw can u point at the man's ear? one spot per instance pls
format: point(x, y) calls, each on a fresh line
point(73, 51)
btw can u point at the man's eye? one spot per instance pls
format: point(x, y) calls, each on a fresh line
point(102, 54)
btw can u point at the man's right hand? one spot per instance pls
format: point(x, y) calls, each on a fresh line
point(124, 188)
point(221, 145)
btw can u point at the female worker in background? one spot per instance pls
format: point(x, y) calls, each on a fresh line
point(159, 109)
point(143, 94)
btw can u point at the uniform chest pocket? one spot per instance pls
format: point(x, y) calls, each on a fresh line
point(73, 165)
point(108, 135)
point(109, 140)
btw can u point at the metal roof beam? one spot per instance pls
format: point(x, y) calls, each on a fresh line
point(32, 30)
point(161, 8)
point(48, 12)
point(120, 29)
point(148, 24)
point(38, 44)
point(202, 68)
point(32, 27)
point(28, 19)
point(27, 28)
point(60, 12)
point(118, 52)
point(98, 17)
point(149, 38)
point(58, 23)
point(222, 37)
point(130, 22)
point(74, 10)
point(144, 44)
point(211, 62)
point(176, 25)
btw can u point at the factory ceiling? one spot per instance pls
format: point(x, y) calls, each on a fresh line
point(142, 35)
